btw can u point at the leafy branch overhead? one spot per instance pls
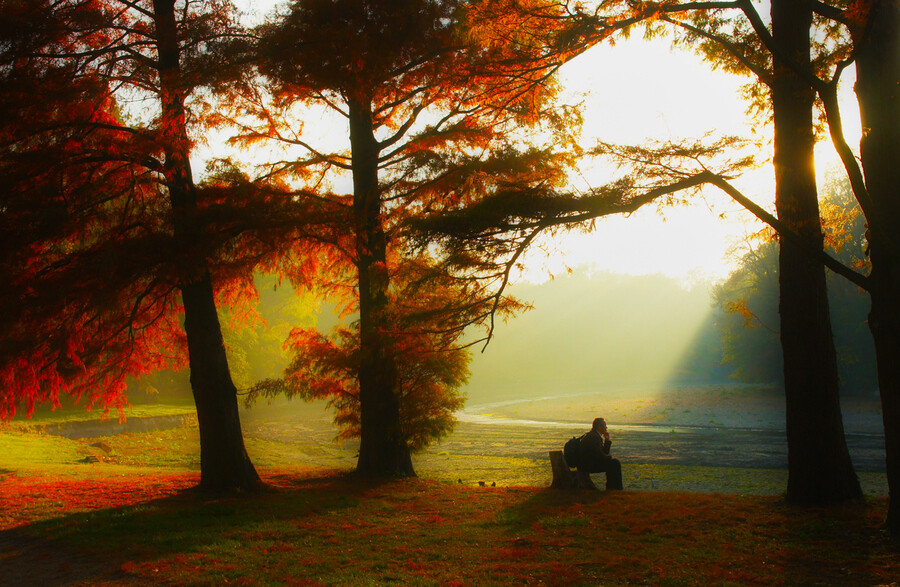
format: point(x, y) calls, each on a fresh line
point(483, 241)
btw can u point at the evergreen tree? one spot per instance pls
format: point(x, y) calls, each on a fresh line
point(429, 109)
point(133, 240)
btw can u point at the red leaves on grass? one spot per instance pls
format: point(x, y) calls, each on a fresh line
point(446, 534)
point(28, 499)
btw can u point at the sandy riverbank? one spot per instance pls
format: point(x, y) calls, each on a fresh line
point(725, 406)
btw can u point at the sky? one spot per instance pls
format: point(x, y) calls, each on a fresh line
point(637, 90)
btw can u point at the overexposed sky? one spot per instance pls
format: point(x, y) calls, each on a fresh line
point(639, 90)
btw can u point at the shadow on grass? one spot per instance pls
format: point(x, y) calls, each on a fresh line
point(708, 539)
point(336, 529)
point(306, 526)
point(190, 520)
point(37, 561)
point(545, 504)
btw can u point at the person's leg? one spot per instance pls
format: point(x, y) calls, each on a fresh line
point(614, 474)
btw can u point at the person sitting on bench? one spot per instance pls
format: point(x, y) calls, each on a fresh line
point(595, 455)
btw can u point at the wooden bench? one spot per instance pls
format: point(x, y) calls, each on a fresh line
point(566, 478)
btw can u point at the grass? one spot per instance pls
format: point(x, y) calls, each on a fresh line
point(319, 528)
point(46, 416)
point(129, 515)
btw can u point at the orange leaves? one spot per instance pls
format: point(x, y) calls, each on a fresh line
point(240, 297)
point(838, 219)
point(857, 15)
point(740, 307)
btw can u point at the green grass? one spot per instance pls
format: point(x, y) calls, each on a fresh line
point(46, 416)
point(28, 451)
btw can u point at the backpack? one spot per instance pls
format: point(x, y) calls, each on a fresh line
point(572, 452)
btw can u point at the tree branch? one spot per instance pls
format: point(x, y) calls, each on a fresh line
point(831, 12)
point(789, 235)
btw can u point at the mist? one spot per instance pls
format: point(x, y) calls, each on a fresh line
point(596, 332)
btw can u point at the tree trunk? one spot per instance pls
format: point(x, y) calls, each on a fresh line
point(877, 47)
point(224, 463)
point(884, 322)
point(383, 451)
point(819, 466)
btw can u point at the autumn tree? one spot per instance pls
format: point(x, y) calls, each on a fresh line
point(161, 235)
point(428, 111)
point(69, 191)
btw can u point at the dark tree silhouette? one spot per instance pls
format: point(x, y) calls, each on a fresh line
point(873, 35)
point(819, 466)
point(138, 241)
point(876, 40)
point(820, 470)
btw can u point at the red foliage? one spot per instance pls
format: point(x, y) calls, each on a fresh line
point(82, 307)
point(90, 276)
point(431, 369)
point(26, 499)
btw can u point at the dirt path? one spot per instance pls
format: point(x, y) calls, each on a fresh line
point(27, 561)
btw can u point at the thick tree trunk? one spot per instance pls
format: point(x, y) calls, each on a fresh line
point(884, 322)
point(383, 451)
point(224, 463)
point(819, 466)
point(877, 45)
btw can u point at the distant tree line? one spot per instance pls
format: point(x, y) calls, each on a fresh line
point(747, 321)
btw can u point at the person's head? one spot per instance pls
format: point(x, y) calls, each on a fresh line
point(600, 425)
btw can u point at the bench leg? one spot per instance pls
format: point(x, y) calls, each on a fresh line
point(584, 480)
point(563, 477)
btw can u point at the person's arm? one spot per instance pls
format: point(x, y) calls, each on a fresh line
point(606, 444)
